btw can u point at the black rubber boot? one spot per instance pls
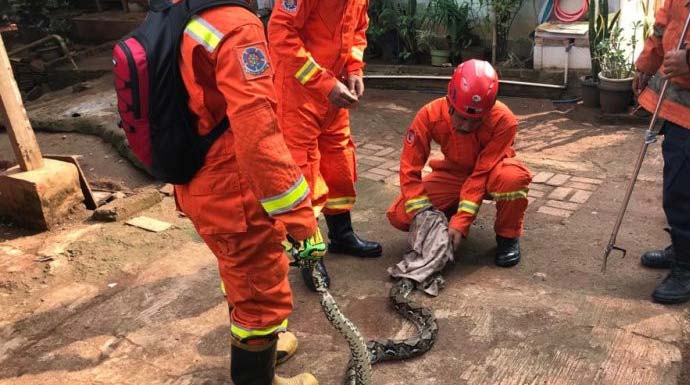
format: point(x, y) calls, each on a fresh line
point(343, 240)
point(507, 251)
point(253, 365)
point(309, 282)
point(659, 259)
point(676, 286)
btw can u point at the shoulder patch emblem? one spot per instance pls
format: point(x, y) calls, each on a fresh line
point(290, 5)
point(254, 61)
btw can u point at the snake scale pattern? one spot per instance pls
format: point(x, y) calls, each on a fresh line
point(363, 356)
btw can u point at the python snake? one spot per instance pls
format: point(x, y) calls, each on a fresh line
point(364, 355)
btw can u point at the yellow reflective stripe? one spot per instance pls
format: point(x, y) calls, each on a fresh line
point(288, 200)
point(204, 33)
point(245, 334)
point(357, 54)
point(416, 207)
point(307, 71)
point(512, 195)
point(417, 203)
point(468, 207)
point(414, 200)
point(340, 203)
point(222, 289)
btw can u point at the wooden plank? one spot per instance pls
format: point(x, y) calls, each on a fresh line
point(149, 224)
point(21, 134)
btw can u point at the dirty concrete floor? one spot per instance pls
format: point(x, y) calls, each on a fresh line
point(116, 305)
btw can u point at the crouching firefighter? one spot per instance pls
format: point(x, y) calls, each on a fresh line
point(476, 134)
point(249, 194)
point(661, 60)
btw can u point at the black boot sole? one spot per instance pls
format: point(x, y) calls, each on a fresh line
point(671, 300)
point(652, 265)
point(373, 253)
point(508, 262)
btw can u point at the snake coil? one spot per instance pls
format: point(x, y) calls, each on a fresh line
point(364, 355)
point(389, 349)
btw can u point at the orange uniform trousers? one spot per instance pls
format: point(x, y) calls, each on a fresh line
point(315, 43)
point(319, 138)
point(443, 187)
point(247, 243)
point(249, 192)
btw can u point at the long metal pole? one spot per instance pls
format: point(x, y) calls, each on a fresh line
point(650, 137)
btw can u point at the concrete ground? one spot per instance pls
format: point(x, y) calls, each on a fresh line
point(94, 303)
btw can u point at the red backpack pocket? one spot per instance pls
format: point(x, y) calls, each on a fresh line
point(132, 88)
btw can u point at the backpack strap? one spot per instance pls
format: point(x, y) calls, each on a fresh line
point(217, 131)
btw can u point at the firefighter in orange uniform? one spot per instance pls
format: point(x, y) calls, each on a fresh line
point(660, 59)
point(476, 134)
point(249, 193)
point(317, 47)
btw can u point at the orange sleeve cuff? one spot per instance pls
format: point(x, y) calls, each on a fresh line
point(300, 223)
point(326, 85)
point(461, 222)
point(356, 69)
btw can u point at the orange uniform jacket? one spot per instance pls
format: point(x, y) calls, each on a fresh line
point(318, 41)
point(227, 71)
point(668, 25)
point(473, 154)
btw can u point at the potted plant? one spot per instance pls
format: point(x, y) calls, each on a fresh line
point(392, 31)
point(446, 31)
point(616, 75)
point(435, 42)
point(599, 29)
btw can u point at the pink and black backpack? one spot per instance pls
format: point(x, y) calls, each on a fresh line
point(151, 96)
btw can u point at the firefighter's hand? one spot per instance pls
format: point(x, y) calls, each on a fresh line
point(341, 96)
point(455, 238)
point(356, 85)
point(640, 82)
point(310, 249)
point(675, 63)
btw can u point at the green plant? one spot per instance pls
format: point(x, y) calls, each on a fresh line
point(647, 20)
point(504, 13)
point(40, 15)
point(432, 39)
point(614, 60)
point(446, 25)
point(399, 17)
point(633, 40)
point(600, 26)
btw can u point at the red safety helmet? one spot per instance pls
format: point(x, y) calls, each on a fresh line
point(473, 89)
